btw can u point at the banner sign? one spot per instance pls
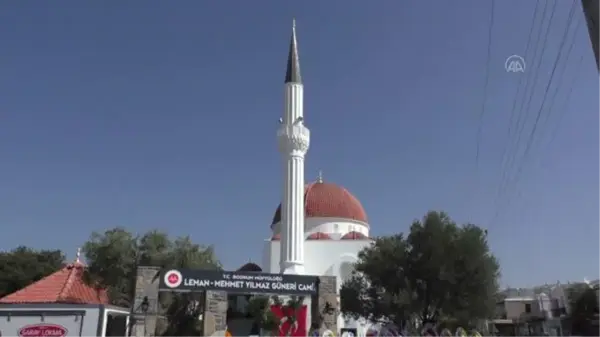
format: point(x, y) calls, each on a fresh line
point(43, 330)
point(238, 282)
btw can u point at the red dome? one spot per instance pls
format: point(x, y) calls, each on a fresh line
point(318, 236)
point(326, 200)
point(355, 236)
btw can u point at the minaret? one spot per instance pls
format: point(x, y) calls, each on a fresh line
point(294, 140)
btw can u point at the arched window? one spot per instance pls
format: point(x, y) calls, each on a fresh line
point(346, 269)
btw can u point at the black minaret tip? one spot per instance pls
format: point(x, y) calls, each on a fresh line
point(292, 73)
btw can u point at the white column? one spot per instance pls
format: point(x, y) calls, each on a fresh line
point(294, 141)
point(127, 324)
point(104, 324)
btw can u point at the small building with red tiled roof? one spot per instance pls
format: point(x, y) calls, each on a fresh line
point(65, 286)
point(60, 304)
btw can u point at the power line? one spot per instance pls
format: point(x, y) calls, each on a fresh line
point(521, 116)
point(541, 109)
point(560, 76)
point(523, 112)
point(486, 83)
point(539, 113)
point(554, 131)
point(514, 105)
point(506, 156)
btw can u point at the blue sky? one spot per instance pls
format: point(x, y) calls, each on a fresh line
point(163, 115)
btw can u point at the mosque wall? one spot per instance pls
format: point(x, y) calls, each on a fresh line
point(321, 257)
point(335, 227)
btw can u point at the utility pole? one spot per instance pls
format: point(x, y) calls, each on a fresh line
point(591, 11)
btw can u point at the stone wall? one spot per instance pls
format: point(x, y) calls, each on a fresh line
point(146, 285)
point(327, 295)
point(215, 312)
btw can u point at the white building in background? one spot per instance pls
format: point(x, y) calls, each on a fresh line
point(319, 227)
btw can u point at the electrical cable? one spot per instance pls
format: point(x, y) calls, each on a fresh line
point(541, 109)
point(506, 156)
point(554, 132)
point(539, 113)
point(529, 89)
point(486, 83)
point(514, 106)
point(550, 110)
point(505, 151)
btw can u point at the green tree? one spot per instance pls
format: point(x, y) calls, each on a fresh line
point(111, 263)
point(24, 266)
point(113, 257)
point(440, 270)
point(259, 309)
point(583, 304)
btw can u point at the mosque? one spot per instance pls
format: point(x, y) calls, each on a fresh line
point(319, 227)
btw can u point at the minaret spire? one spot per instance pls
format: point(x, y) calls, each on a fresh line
point(292, 73)
point(294, 141)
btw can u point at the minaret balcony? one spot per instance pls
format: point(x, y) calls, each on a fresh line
point(293, 138)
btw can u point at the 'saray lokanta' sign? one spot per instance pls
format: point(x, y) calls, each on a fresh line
point(240, 282)
point(43, 330)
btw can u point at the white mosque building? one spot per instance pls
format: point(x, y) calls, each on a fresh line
point(319, 227)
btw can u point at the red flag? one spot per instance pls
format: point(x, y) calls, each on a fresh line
point(296, 329)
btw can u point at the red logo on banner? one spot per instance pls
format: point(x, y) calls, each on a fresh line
point(295, 329)
point(43, 330)
point(173, 279)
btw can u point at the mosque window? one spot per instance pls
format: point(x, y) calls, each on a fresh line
point(354, 236)
point(318, 236)
point(346, 269)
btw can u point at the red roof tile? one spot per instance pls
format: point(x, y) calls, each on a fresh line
point(64, 286)
point(326, 200)
point(355, 236)
point(318, 236)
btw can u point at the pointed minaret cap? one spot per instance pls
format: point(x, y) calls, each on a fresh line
point(292, 73)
